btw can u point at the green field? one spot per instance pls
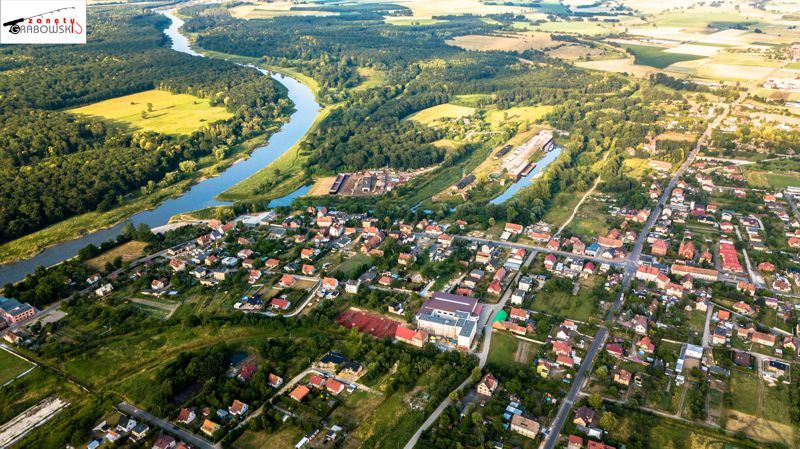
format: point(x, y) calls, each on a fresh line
point(170, 113)
point(579, 307)
point(11, 366)
point(443, 111)
point(744, 390)
point(771, 179)
point(497, 117)
point(656, 56)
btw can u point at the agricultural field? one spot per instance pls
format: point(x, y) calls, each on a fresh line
point(656, 57)
point(157, 110)
point(269, 10)
point(504, 42)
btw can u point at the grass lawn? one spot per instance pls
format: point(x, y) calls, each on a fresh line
point(127, 251)
point(580, 307)
point(171, 113)
point(443, 111)
point(501, 352)
point(561, 207)
point(11, 366)
point(470, 100)
point(656, 56)
point(351, 264)
point(772, 179)
point(776, 407)
point(372, 78)
point(285, 437)
point(744, 390)
point(588, 221)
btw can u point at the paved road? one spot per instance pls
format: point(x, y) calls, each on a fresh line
point(166, 426)
point(491, 309)
point(551, 440)
point(538, 249)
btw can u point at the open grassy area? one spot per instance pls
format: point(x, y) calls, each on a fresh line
point(588, 220)
point(580, 307)
point(11, 366)
point(170, 113)
point(285, 437)
point(443, 111)
point(656, 57)
point(497, 117)
point(573, 27)
point(127, 251)
point(744, 390)
point(372, 78)
point(773, 180)
point(501, 352)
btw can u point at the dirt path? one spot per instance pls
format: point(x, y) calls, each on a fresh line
point(521, 356)
point(585, 195)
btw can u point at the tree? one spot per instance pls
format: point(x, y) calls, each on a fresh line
point(608, 421)
point(595, 401)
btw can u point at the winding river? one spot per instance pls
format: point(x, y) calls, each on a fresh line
point(202, 194)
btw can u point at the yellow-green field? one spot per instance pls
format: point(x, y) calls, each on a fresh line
point(170, 113)
point(497, 117)
point(372, 78)
point(439, 112)
point(127, 251)
point(509, 42)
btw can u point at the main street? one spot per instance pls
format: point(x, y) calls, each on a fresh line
point(552, 438)
point(167, 426)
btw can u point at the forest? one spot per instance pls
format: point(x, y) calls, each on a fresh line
point(54, 165)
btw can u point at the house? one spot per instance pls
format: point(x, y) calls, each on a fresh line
point(351, 286)
point(639, 324)
point(334, 386)
point(287, 281)
point(411, 337)
point(743, 308)
point(518, 314)
point(209, 427)
point(524, 426)
point(299, 393)
point(274, 380)
point(623, 377)
point(615, 349)
point(331, 361)
point(246, 371)
point(186, 416)
point(140, 431)
point(763, 339)
point(317, 381)
point(562, 348)
point(280, 303)
point(742, 358)
point(238, 408)
point(164, 442)
point(584, 417)
point(272, 264)
point(513, 228)
point(659, 248)
point(104, 290)
point(645, 345)
point(543, 368)
point(487, 385)
point(307, 269)
point(177, 264)
point(574, 442)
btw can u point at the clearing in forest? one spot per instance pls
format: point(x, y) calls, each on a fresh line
point(157, 110)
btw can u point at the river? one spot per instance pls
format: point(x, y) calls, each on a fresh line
point(548, 158)
point(201, 195)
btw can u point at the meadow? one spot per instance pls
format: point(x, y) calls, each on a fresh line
point(157, 110)
point(440, 112)
point(11, 366)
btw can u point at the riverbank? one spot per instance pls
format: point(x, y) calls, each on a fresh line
point(63, 240)
point(80, 225)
